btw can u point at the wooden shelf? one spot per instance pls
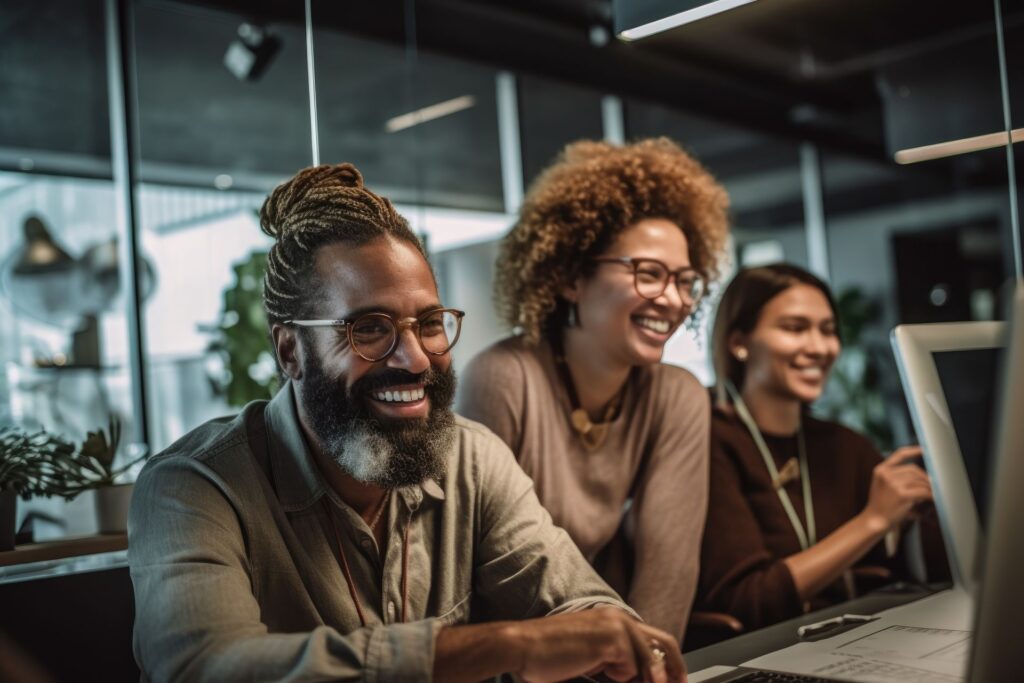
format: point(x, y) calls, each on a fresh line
point(65, 547)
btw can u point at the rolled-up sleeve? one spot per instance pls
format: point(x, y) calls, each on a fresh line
point(526, 566)
point(197, 617)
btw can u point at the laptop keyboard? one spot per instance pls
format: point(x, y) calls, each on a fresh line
point(775, 677)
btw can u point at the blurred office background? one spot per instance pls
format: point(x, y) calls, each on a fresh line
point(137, 145)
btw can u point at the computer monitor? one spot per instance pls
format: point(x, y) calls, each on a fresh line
point(949, 378)
point(996, 655)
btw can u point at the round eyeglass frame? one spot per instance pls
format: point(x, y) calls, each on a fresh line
point(397, 325)
point(635, 264)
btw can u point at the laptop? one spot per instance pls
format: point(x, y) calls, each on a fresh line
point(953, 375)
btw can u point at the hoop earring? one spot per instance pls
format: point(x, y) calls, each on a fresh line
point(571, 320)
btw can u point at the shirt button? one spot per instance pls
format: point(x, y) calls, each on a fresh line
point(365, 543)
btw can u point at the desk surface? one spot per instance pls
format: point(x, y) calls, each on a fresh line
point(735, 651)
point(64, 547)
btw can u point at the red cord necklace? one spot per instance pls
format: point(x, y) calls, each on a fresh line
point(343, 561)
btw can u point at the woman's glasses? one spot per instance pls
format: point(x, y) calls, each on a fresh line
point(651, 278)
point(374, 336)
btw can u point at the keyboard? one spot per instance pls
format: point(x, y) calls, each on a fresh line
point(775, 677)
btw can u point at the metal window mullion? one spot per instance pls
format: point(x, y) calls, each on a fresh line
point(612, 120)
point(314, 122)
point(1011, 166)
point(814, 211)
point(121, 90)
point(509, 147)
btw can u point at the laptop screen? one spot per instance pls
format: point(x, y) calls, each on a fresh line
point(968, 379)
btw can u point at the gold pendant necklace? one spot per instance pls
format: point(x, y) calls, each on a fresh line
point(592, 435)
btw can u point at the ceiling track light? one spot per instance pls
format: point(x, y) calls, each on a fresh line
point(701, 11)
point(434, 111)
point(951, 148)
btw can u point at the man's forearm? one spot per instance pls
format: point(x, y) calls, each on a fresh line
point(473, 653)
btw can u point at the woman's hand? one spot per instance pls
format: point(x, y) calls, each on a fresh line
point(897, 485)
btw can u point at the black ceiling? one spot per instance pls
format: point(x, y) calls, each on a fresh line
point(795, 69)
point(741, 89)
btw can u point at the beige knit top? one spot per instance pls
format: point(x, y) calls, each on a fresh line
point(655, 455)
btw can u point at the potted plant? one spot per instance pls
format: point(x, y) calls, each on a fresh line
point(27, 467)
point(240, 338)
point(855, 395)
point(92, 467)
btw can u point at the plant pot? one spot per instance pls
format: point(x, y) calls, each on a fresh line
point(112, 508)
point(8, 517)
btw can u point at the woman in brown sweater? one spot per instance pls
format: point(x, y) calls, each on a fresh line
point(794, 501)
point(607, 260)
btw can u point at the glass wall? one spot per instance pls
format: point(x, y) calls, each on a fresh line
point(1012, 25)
point(422, 128)
point(212, 143)
point(919, 233)
point(62, 324)
point(551, 115)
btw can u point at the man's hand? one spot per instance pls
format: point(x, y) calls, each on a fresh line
point(603, 640)
point(607, 641)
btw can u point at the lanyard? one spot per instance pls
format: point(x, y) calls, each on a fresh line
point(810, 536)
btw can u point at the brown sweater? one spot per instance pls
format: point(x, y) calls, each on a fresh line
point(748, 534)
point(655, 454)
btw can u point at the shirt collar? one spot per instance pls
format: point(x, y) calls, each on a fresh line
point(297, 479)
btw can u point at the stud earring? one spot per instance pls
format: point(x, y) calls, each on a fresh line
point(741, 354)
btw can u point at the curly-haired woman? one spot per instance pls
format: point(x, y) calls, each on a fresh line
point(609, 257)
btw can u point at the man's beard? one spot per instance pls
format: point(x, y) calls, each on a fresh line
point(389, 453)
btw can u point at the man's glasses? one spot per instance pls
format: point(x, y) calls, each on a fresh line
point(374, 336)
point(651, 278)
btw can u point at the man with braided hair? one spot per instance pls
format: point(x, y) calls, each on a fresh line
point(353, 527)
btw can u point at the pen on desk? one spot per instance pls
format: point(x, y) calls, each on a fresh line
point(818, 628)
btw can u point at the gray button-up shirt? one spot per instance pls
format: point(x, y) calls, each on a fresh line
point(236, 567)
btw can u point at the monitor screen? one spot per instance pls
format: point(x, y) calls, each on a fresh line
point(949, 374)
point(969, 383)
